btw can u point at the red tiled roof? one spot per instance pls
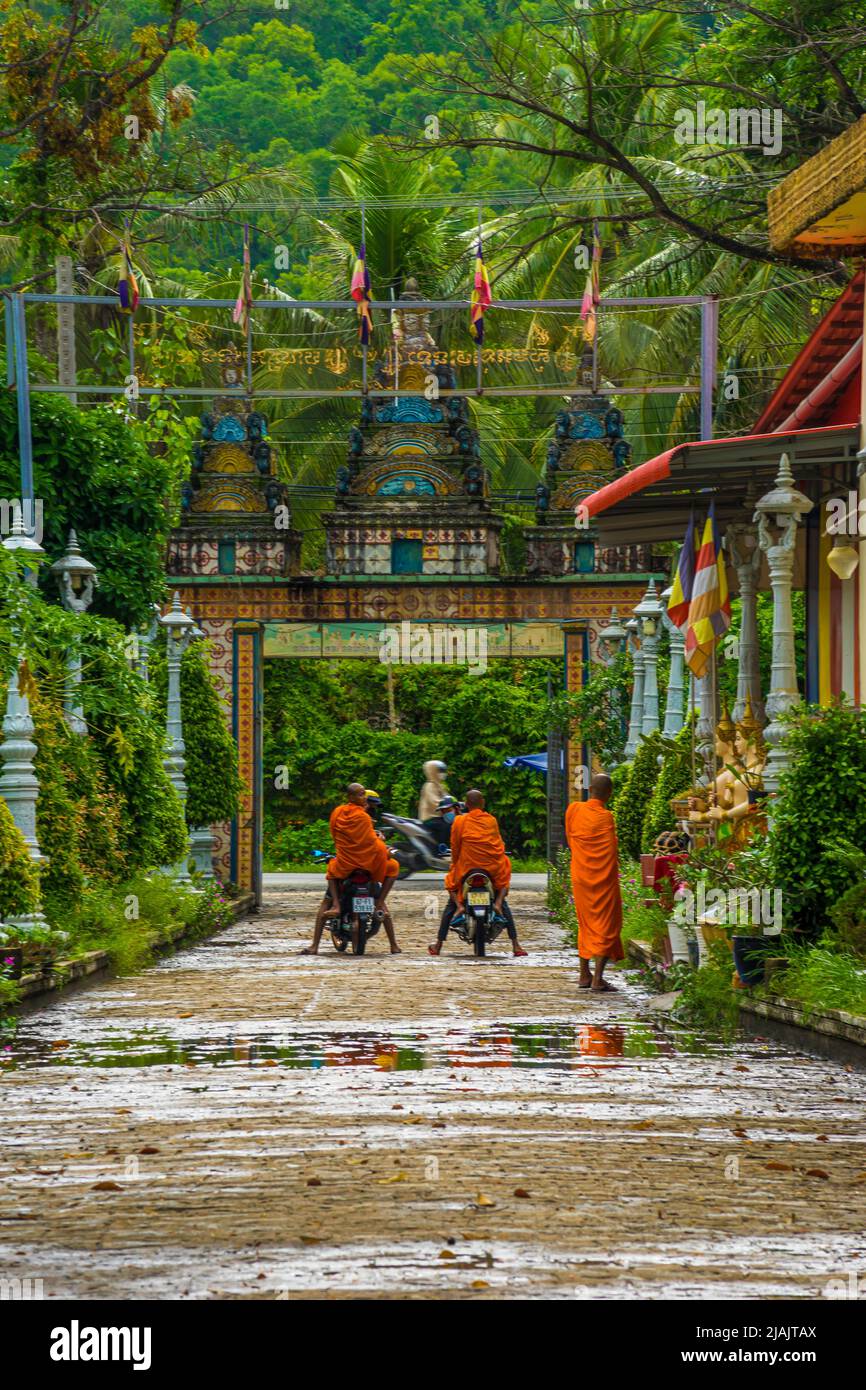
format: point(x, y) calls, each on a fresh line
point(834, 336)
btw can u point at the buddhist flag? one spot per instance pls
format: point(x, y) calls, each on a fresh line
point(591, 293)
point(360, 292)
point(710, 608)
point(681, 590)
point(244, 301)
point(127, 285)
point(481, 297)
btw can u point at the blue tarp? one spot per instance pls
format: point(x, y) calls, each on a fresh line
point(535, 762)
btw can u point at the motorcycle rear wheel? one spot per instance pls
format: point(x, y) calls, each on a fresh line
point(479, 941)
point(359, 937)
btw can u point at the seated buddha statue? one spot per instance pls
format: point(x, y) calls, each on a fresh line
point(750, 754)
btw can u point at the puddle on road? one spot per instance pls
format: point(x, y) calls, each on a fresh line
point(561, 1046)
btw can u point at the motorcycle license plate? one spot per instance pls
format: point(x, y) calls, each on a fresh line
point(363, 907)
point(478, 899)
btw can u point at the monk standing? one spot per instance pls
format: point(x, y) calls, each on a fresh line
point(591, 835)
point(358, 846)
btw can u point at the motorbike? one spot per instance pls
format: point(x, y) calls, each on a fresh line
point(413, 845)
point(478, 928)
point(358, 920)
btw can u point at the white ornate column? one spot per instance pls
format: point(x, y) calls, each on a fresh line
point(649, 613)
point(19, 785)
point(635, 719)
point(674, 717)
point(777, 514)
point(178, 635)
point(741, 541)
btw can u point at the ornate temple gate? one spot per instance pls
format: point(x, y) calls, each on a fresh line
point(412, 535)
point(247, 618)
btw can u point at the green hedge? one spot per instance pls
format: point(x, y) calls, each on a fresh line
point(821, 797)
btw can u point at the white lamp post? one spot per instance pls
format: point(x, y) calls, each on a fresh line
point(741, 541)
point(635, 718)
point(649, 613)
point(778, 513)
point(676, 689)
point(77, 579)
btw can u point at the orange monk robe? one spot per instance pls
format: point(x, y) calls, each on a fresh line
point(358, 846)
point(477, 844)
point(589, 829)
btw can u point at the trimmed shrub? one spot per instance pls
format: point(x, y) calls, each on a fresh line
point(634, 796)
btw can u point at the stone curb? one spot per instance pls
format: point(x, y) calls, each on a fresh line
point(832, 1023)
point(65, 972)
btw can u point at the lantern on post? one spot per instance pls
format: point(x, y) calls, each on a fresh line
point(77, 578)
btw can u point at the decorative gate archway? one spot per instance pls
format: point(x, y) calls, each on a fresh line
point(247, 618)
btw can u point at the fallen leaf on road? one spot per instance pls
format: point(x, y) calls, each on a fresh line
point(520, 1192)
point(106, 1187)
point(816, 1173)
point(395, 1177)
point(61, 1042)
point(779, 1167)
point(447, 1255)
point(483, 1201)
point(314, 1182)
point(148, 1149)
point(480, 1284)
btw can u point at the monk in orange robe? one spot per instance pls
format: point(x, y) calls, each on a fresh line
point(476, 844)
point(359, 846)
point(591, 835)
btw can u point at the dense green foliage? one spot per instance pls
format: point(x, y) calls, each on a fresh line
point(327, 724)
point(94, 474)
point(821, 796)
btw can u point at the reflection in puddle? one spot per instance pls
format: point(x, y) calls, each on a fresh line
point(528, 1045)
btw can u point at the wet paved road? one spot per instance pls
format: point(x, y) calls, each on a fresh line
point(243, 1122)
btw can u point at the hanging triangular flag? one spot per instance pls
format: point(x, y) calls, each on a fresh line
point(360, 292)
point(591, 293)
point(244, 301)
point(681, 589)
point(481, 297)
point(127, 285)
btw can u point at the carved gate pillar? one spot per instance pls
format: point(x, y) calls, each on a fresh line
point(576, 636)
point(247, 688)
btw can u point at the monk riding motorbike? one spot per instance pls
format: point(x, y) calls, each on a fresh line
point(478, 925)
point(358, 920)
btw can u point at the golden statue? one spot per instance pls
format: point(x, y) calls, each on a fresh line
point(707, 804)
